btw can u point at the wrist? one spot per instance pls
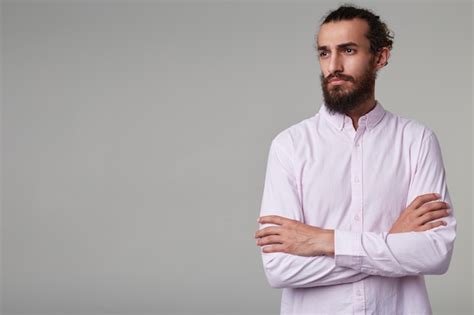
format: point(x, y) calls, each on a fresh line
point(329, 242)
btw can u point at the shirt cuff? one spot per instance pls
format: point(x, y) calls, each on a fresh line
point(348, 251)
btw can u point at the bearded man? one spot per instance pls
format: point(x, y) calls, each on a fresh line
point(355, 208)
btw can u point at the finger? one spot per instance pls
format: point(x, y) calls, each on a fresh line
point(432, 215)
point(422, 199)
point(267, 231)
point(273, 248)
point(431, 206)
point(432, 225)
point(268, 240)
point(275, 219)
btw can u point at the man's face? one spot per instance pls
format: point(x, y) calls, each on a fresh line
point(348, 70)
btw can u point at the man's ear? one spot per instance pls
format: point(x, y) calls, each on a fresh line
point(382, 58)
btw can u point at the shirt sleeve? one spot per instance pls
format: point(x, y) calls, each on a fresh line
point(280, 197)
point(411, 253)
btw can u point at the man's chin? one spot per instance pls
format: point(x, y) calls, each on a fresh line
point(338, 89)
point(339, 94)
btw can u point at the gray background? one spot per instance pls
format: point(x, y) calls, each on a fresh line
point(135, 138)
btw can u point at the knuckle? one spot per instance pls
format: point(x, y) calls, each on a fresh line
point(439, 214)
point(431, 197)
point(440, 205)
point(422, 208)
point(436, 215)
point(429, 206)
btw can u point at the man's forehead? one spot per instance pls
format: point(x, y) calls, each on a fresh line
point(337, 32)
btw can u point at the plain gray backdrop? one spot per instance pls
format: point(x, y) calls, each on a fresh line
point(135, 137)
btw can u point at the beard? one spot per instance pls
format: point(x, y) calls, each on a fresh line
point(340, 99)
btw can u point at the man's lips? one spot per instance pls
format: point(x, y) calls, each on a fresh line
point(336, 81)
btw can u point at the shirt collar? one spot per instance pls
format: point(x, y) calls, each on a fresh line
point(370, 120)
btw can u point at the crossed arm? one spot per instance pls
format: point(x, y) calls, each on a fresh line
point(300, 255)
point(295, 237)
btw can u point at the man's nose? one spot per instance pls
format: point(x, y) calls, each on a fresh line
point(335, 64)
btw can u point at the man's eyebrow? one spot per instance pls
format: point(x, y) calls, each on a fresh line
point(343, 45)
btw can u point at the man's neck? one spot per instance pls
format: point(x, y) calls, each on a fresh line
point(361, 110)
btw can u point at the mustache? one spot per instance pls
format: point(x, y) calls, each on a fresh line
point(339, 76)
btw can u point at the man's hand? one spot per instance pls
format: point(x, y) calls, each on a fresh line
point(294, 237)
point(420, 215)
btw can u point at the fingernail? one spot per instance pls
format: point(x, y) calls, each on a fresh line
point(438, 195)
point(258, 220)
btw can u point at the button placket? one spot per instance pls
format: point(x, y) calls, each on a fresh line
point(356, 171)
point(357, 210)
point(359, 297)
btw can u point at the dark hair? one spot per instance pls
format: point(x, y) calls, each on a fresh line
point(379, 35)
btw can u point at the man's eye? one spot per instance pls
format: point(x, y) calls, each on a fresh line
point(349, 50)
point(323, 54)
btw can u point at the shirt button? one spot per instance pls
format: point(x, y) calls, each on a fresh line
point(359, 293)
point(356, 217)
point(356, 179)
point(357, 144)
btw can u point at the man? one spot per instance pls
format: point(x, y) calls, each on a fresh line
point(355, 208)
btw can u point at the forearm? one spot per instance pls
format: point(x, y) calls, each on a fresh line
point(358, 255)
point(291, 271)
point(297, 255)
point(396, 255)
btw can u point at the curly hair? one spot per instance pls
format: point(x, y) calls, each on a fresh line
point(379, 35)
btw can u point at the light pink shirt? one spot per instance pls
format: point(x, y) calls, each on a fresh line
point(325, 173)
